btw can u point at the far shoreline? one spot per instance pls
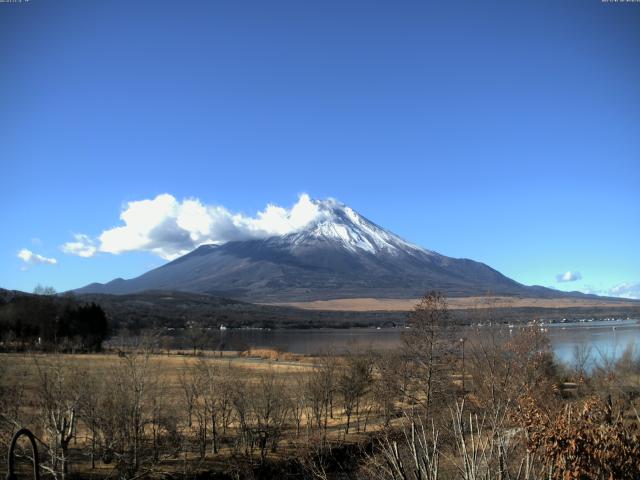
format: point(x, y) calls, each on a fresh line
point(370, 304)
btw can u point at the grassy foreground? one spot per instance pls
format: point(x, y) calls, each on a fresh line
point(491, 405)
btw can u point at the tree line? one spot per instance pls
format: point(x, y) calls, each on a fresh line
point(45, 321)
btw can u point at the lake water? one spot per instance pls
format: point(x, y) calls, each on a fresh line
point(601, 339)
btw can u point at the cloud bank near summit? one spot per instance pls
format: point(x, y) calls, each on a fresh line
point(170, 228)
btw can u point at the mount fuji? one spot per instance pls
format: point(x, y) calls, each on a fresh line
point(337, 254)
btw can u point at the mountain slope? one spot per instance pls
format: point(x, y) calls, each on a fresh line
point(339, 254)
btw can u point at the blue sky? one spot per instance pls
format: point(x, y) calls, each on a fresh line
point(507, 132)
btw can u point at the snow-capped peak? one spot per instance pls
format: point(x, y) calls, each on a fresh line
point(337, 222)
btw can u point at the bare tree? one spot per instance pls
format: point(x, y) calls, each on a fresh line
point(425, 344)
point(197, 337)
point(412, 455)
point(129, 414)
point(44, 290)
point(321, 386)
point(388, 384)
point(269, 407)
point(241, 402)
point(491, 370)
point(354, 381)
point(582, 355)
point(188, 386)
point(12, 409)
point(209, 403)
point(224, 395)
point(478, 452)
point(58, 402)
point(298, 401)
point(93, 389)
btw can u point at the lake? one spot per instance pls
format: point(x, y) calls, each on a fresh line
point(601, 338)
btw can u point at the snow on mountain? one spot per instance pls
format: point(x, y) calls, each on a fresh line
point(338, 222)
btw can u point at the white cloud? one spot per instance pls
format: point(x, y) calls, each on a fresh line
point(30, 258)
point(83, 246)
point(170, 228)
point(622, 290)
point(568, 277)
point(626, 290)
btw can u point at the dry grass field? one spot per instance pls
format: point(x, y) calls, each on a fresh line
point(142, 411)
point(168, 380)
point(22, 368)
point(268, 414)
point(455, 303)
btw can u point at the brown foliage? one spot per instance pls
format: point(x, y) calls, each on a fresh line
point(583, 444)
